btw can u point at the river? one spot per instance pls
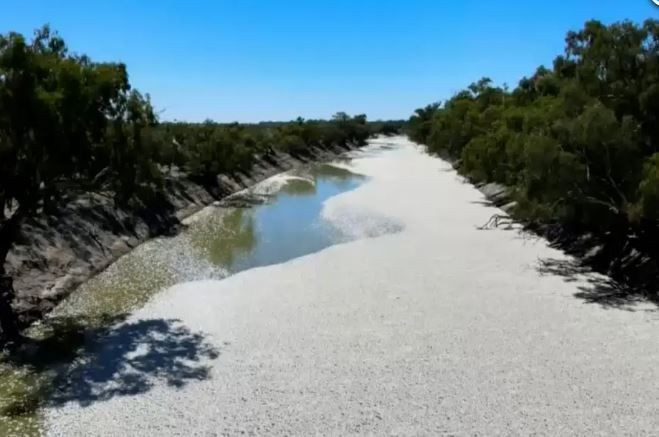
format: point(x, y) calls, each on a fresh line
point(361, 298)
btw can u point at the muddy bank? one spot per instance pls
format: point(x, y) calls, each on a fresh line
point(630, 261)
point(57, 252)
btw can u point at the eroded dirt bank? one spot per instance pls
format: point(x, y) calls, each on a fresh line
point(57, 252)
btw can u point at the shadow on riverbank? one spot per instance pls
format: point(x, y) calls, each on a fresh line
point(76, 363)
point(596, 288)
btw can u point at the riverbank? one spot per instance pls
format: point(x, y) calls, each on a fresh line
point(440, 328)
point(58, 251)
point(632, 268)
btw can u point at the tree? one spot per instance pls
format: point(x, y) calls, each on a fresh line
point(577, 143)
point(63, 120)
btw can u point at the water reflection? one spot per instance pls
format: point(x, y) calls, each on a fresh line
point(287, 227)
point(224, 235)
point(299, 187)
point(336, 173)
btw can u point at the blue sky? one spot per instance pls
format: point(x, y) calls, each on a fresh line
point(254, 60)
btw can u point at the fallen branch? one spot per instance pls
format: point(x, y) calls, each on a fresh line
point(496, 221)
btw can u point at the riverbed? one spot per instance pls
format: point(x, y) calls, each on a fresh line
point(379, 307)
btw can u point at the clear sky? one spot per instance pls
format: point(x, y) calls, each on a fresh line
point(251, 60)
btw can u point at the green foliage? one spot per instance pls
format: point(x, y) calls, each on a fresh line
point(387, 128)
point(207, 149)
point(420, 125)
point(577, 143)
point(63, 119)
point(649, 189)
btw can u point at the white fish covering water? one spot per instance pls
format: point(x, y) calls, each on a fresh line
point(439, 329)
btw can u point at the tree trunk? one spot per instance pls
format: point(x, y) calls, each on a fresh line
point(8, 318)
point(9, 332)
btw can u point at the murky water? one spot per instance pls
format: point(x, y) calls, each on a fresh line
point(220, 241)
point(288, 227)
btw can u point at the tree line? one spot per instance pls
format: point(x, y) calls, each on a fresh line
point(206, 149)
point(577, 143)
point(70, 124)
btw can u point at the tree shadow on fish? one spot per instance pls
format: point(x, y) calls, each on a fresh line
point(88, 365)
point(594, 288)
